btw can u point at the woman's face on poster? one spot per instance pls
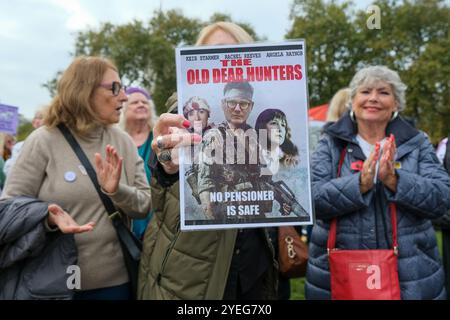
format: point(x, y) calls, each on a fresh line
point(198, 116)
point(276, 129)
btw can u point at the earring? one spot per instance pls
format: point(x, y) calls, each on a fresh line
point(394, 115)
point(352, 116)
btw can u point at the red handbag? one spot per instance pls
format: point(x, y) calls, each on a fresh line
point(364, 274)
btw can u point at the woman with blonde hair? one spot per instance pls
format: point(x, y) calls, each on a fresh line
point(89, 101)
point(220, 31)
point(213, 264)
point(377, 184)
point(338, 104)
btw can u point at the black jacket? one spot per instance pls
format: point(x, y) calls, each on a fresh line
point(33, 262)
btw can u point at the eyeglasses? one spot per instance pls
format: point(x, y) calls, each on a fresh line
point(243, 104)
point(115, 87)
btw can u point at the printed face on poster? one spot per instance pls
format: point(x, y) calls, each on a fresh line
point(250, 105)
point(9, 119)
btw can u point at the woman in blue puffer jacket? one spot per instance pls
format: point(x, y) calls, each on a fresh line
point(386, 160)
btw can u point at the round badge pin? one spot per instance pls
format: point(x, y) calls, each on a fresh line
point(70, 176)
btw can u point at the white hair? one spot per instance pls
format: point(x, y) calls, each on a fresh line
point(151, 121)
point(373, 74)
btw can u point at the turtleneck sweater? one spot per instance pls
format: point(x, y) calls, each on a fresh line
point(49, 170)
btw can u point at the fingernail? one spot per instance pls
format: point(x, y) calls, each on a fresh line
point(196, 138)
point(186, 124)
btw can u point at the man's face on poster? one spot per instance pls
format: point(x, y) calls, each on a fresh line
point(236, 107)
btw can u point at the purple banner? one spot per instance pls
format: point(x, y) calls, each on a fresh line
point(9, 119)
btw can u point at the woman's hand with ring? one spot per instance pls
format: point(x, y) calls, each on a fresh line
point(169, 135)
point(109, 169)
point(165, 156)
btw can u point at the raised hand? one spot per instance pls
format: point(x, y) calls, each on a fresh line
point(386, 171)
point(368, 170)
point(108, 170)
point(58, 217)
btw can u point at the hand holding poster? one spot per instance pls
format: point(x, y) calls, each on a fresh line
point(249, 103)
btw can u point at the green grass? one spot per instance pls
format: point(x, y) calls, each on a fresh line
point(298, 289)
point(298, 284)
point(439, 241)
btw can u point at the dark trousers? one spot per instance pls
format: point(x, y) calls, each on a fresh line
point(121, 292)
point(284, 288)
point(235, 292)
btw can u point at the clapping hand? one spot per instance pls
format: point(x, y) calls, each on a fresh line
point(386, 172)
point(368, 170)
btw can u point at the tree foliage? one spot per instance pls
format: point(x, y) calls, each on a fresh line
point(24, 129)
point(413, 39)
point(331, 45)
point(216, 17)
point(145, 52)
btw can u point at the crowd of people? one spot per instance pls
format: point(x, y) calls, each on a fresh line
point(368, 158)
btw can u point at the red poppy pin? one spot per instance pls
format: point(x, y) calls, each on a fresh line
point(357, 165)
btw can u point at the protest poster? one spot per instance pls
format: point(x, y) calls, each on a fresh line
point(250, 105)
point(9, 119)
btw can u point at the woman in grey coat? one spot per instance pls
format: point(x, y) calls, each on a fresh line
point(386, 160)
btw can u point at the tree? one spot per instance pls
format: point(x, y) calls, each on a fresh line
point(144, 52)
point(330, 55)
point(24, 129)
point(411, 40)
point(216, 17)
point(168, 30)
point(429, 90)
point(51, 84)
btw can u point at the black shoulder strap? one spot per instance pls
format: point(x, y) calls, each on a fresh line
point(110, 208)
point(130, 245)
